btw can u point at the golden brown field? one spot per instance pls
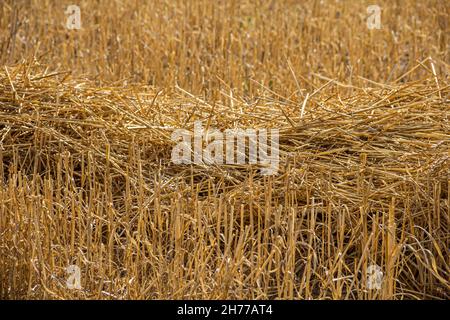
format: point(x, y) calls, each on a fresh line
point(87, 179)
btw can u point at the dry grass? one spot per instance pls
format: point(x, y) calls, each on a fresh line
point(211, 46)
point(86, 176)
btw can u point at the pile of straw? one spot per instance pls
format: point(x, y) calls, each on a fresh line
point(86, 179)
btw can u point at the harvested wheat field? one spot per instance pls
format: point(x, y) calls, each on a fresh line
point(357, 208)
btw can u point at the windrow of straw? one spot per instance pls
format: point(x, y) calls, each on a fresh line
point(86, 179)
